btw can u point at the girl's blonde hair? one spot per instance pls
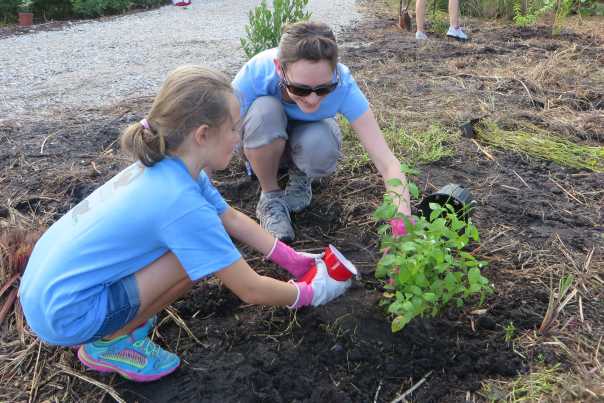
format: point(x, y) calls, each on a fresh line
point(308, 40)
point(190, 97)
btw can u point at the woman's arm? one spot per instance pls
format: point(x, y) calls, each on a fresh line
point(367, 129)
point(247, 231)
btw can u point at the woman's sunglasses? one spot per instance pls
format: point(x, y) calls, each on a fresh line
point(304, 90)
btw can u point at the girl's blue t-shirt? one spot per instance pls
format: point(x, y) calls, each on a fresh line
point(258, 78)
point(130, 221)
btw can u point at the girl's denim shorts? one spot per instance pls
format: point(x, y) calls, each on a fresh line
point(123, 303)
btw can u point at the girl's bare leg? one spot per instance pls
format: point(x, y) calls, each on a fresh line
point(160, 283)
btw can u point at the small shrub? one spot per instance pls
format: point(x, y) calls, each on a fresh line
point(97, 8)
point(52, 9)
point(148, 3)
point(264, 28)
point(428, 268)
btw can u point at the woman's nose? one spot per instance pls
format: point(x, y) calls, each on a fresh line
point(313, 98)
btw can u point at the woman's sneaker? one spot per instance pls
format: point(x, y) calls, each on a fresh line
point(273, 213)
point(457, 34)
point(298, 192)
point(136, 358)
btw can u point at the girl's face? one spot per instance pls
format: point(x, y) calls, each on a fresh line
point(307, 73)
point(224, 139)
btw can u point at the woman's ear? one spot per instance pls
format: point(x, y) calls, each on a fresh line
point(201, 135)
point(278, 67)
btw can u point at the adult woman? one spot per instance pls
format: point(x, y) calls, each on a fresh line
point(290, 96)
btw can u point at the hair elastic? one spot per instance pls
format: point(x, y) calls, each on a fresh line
point(145, 124)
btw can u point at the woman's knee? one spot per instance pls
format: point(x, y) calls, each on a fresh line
point(264, 122)
point(316, 147)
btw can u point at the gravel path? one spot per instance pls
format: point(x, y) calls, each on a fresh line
point(99, 62)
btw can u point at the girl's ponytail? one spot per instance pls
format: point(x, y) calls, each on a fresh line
point(140, 141)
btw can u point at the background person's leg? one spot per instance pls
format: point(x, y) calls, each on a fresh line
point(420, 16)
point(454, 13)
point(455, 30)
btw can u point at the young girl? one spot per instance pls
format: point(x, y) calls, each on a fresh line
point(290, 96)
point(99, 274)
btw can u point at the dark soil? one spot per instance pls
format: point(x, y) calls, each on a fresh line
point(344, 351)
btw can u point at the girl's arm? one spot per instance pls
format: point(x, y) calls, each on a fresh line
point(247, 231)
point(261, 290)
point(367, 129)
point(253, 288)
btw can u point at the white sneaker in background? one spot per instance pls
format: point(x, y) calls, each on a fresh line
point(457, 34)
point(420, 36)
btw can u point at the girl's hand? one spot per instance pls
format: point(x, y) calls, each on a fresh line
point(296, 263)
point(321, 289)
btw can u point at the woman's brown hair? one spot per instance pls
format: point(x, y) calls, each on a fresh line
point(190, 97)
point(309, 41)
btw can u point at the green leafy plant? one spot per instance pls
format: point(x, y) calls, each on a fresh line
point(264, 28)
point(428, 268)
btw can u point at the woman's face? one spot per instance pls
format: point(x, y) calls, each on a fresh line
point(225, 138)
point(307, 73)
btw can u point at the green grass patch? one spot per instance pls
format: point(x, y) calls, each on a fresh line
point(438, 21)
point(411, 147)
point(541, 144)
point(536, 386)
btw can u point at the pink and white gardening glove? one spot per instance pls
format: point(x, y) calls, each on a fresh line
point(296, 263)
point(321, 289)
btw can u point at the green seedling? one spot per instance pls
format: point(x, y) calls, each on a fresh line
point(428, 268)
point(510, 331)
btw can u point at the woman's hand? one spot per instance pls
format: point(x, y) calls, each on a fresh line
point(398, 226)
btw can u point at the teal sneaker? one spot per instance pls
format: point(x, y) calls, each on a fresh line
point(133, 356)
point(144, 330)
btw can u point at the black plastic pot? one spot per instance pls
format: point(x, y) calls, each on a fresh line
point(452, 194)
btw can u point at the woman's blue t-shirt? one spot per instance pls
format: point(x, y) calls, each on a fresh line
point(124, 225)
point(258, 78)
